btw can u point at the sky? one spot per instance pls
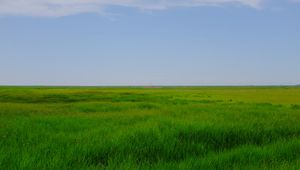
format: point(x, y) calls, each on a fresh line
point(149, 42)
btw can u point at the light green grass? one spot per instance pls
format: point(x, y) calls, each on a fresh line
point(150, 128)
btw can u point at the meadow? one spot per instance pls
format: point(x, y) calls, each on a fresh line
point(149, 128)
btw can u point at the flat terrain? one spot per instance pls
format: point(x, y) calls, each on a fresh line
point(149, 128)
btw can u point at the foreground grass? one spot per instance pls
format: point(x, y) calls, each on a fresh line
point(150, 128)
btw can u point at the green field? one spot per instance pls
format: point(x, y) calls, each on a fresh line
point(149, 128)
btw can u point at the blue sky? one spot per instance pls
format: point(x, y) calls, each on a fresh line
point(154, 42)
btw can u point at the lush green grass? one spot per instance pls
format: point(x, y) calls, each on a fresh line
point(150, 128)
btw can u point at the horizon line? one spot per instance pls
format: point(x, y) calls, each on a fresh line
point(157, 86)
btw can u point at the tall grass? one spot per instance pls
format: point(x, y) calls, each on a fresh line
point(145, 128)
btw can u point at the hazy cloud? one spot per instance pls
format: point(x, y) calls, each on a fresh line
point(54, 8)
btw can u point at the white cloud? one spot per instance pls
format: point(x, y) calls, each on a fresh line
point(54, 8)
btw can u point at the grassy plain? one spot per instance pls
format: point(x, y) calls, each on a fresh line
point(149, 128)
